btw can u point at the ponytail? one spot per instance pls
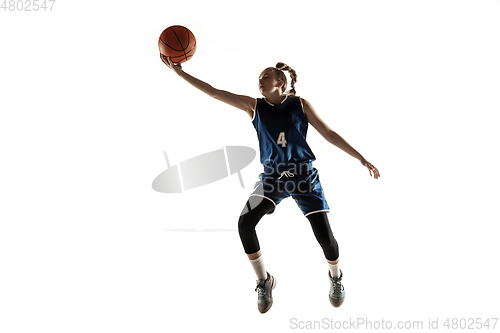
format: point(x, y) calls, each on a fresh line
point(280, 67)
point(293, 75)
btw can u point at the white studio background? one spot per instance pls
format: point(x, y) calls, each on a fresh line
point(88, 109)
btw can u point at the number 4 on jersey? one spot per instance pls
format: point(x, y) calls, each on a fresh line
point(281, 139)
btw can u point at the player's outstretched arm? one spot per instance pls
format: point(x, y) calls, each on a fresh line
point(241, 102)
point(335, 139)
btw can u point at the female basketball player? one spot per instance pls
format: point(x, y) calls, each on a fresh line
point(281, 120)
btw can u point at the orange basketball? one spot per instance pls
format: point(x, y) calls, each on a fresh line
point(178, 43)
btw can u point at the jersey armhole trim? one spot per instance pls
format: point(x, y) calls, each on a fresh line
point(302, 105)
point(255, 109)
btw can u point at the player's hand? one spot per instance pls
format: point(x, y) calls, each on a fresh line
point(371, 168)
point(167, 61)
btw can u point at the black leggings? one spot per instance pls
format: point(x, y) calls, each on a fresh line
point(256, 207)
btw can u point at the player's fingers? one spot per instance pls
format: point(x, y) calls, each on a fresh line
point(165, 60)
point(174, 66)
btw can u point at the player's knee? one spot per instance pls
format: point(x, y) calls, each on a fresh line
point(326, 241)
point(245, 223)
point(253, 211)
point(331, 243)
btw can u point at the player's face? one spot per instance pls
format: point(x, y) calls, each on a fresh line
point(268, 82)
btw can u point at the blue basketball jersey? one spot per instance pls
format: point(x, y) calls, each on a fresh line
point(282, 131)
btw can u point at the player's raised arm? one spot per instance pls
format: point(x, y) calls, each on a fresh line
point(335, 139)
point(241, 102)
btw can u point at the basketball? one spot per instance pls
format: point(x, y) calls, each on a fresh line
point(178, 43)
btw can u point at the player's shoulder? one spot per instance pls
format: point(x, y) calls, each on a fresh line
point(304, 102)
point(297, 99)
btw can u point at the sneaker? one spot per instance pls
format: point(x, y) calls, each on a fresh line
point(337, 293)
point(264, 289)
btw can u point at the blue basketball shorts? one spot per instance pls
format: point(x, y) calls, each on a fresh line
point(304, 188)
